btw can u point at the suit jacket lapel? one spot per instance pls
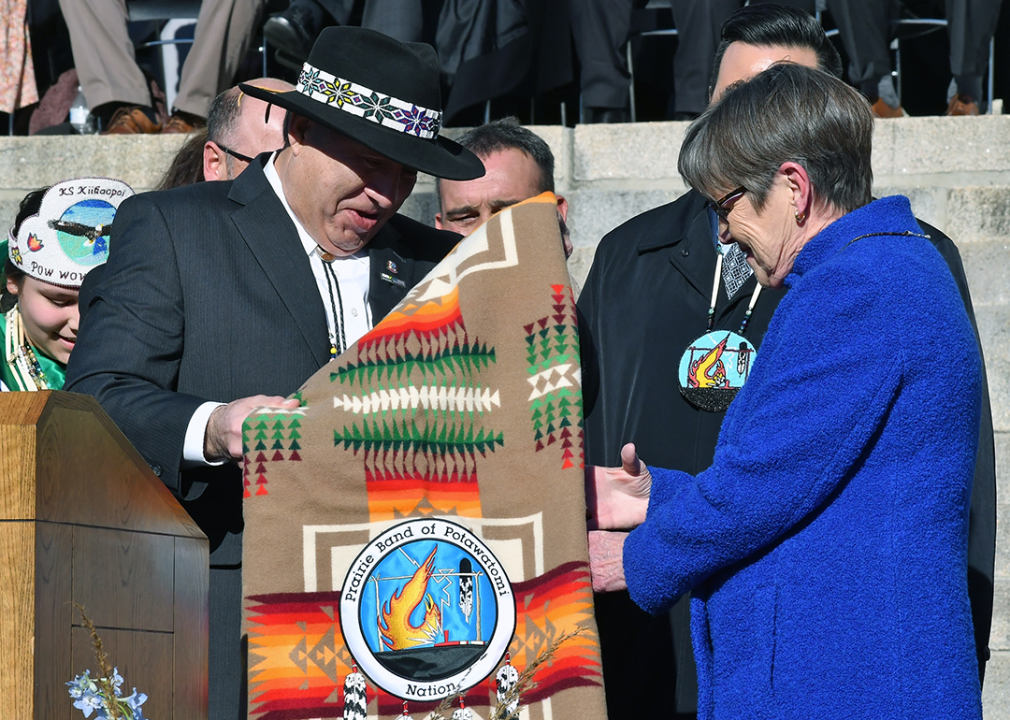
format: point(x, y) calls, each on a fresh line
point(391, 273)
point(273, 240)
point(693, 253)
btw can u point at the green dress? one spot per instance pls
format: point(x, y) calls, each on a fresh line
point(53, 373)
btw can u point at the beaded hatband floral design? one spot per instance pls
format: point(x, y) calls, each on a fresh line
point(368, 104)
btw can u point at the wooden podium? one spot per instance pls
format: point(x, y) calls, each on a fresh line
point(84, 520)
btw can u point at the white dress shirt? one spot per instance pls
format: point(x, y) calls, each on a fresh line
point(352, 275)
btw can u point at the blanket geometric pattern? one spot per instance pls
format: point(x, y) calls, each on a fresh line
point(421, 517)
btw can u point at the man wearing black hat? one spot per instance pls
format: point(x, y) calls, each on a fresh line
point(227, 296)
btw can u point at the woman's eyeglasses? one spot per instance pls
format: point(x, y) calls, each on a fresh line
point(723, 207)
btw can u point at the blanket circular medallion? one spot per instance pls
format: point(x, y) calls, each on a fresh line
point(427, 610)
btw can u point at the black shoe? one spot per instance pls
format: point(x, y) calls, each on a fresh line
point(607, 115)
point(288, 61)
point(292, 32)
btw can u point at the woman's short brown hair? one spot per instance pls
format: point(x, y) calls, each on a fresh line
point(789, 112)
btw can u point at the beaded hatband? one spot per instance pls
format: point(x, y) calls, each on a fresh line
point(368, 104)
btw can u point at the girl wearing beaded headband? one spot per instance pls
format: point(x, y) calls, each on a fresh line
point(60, 234)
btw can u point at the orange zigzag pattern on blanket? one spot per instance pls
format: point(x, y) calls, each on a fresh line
point(547, 607)
point(389, 499)
point(432, 317)
point(298, 660)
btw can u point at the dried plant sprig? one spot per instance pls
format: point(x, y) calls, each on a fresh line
point(524, 683)
point(444, 708)
point(108, 675)
point(103, 694)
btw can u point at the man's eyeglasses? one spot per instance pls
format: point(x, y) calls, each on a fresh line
point(723, 207)
point(237, 156)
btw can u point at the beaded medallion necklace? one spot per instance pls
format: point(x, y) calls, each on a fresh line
point(706, 376)
point(706, 379)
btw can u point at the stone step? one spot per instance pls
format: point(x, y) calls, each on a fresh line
point(976, 218)
point(906, 151)
point(994, 328)
point(996, 691)
point(987, 267)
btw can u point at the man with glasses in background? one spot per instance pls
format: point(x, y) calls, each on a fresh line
point(240, 127)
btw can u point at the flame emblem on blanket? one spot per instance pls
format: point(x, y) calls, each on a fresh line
point(708, 371)
point(397, 631)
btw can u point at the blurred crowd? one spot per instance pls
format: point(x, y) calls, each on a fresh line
point(547, 61)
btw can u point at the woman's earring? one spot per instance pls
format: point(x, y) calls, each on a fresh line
point(800, 217)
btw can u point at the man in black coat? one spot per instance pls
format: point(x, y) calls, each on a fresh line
point(647, 297)
point(227, 296)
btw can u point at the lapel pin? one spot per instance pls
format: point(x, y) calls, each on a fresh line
point(391, 266)
point(392, 280)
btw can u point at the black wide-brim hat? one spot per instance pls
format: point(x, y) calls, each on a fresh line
point(380, 92)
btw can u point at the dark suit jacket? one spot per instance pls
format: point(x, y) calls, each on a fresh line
point(208, 295)
point(646, 298)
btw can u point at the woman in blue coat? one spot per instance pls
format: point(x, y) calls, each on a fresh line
point(825, 548)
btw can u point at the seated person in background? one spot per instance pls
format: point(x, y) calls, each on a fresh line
point(114, 85)
point(600, 30)
point(519, 165)
point(294, 30)
point(239, 127)
point(60, 234)
point(865, 27)
point(826, 545)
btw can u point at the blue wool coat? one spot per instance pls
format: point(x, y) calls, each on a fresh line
point(826, 546)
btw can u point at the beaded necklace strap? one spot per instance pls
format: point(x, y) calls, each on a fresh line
point(20, 357)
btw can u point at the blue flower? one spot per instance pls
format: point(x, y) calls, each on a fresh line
point(81, 685)
point(134, 702)
point(89, 697)
point(117, 681)
point(89, 702)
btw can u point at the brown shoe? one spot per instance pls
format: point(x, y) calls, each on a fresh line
point(882, 110)
point(131, 120)
point(962, 105)
point(183, 123)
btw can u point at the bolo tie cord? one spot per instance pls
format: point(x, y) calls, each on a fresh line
point(338, 340)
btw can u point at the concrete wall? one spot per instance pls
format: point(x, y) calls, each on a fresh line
point(955, 170)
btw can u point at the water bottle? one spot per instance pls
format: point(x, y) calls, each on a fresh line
point(81, 118)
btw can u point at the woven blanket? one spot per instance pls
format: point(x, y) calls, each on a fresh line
point(416, 529)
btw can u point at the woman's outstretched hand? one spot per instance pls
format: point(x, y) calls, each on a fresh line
point(618, 498)
point(606, 560)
